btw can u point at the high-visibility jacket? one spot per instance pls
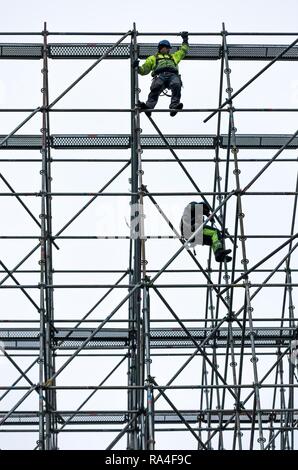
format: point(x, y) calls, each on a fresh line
point(156, 63)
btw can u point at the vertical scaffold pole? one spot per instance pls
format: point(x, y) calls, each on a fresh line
point(211, 311)
point(42, 261)
point(46, 259)
point(134, 373)
point(150, 440)
point(288, 292)
point(247, 297)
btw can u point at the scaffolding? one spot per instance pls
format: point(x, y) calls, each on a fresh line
point(232, 381)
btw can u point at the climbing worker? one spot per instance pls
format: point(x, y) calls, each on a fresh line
point(165, 73)
point(192, 218)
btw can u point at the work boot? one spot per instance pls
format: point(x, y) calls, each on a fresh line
point(173, 109)
point(221, 255)
point(143, 107)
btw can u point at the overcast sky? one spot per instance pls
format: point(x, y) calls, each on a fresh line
point(189, 15)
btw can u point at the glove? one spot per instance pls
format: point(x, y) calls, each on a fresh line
point(184, 36)
point(135, 63)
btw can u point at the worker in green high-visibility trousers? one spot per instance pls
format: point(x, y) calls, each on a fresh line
point(165, 72)
point(192, 219)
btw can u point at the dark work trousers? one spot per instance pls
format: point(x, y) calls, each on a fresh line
point(164, 80)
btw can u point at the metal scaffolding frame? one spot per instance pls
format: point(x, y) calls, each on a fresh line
point(232, 412)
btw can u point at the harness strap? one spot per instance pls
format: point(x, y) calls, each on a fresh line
point(158, 59)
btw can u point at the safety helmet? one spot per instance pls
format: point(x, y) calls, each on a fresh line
point(164, 43)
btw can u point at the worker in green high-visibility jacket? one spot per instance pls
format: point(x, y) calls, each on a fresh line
point(164, 69)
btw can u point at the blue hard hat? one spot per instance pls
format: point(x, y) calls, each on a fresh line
point(165, 43)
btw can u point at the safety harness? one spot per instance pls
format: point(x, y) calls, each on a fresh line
point(158, 58)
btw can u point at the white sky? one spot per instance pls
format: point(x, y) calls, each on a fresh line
point(108, 85)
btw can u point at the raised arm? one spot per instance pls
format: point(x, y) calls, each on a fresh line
point(147, 65)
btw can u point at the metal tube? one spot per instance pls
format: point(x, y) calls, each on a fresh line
point(270, 162)
point(165, 387)
point(181, 241)
point(181, 164)
point(159, 110)
point(133, 435)
point(147, 160)
point(91, 394)
point(51, 423)
point(220, 375)
point(19, 126)
point(154, 33)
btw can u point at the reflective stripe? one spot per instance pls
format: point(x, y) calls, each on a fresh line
point(214, 236)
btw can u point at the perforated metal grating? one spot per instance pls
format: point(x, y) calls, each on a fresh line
point(196, 51)
point(170, 338)
point(91, 140)
point(30, 418)
point(260, 52)
point(91, 50)
point(159, 338)
point(269, 141)
point(123, 141)
point(122, 51)
point(21, 51)
point(179, 141)
point(21, 142)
